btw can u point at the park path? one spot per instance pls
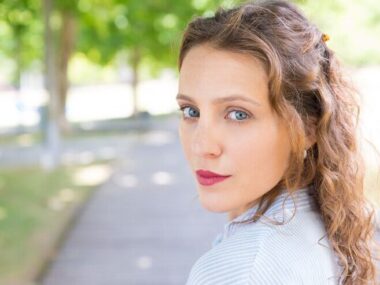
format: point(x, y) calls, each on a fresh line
point(144, 225)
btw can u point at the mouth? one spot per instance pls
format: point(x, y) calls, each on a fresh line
point(208, 178)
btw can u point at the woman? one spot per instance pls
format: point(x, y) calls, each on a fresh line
point(268, 128)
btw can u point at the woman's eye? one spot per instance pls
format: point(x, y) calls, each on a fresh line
point(235, 115)
point(238, 115)
point(189, 112)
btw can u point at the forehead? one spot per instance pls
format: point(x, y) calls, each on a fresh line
point(204, 55)
point(209, 71)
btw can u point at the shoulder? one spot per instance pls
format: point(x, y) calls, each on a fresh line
point(296, 253)
point(262, 253)
point(230, 260)
point(310, 268)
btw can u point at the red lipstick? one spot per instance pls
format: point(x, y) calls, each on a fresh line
point(208, 178)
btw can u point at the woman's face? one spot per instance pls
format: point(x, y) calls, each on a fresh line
point(228, 127)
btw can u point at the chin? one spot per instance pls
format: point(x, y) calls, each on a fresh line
point(212, 208)
point(214, 204)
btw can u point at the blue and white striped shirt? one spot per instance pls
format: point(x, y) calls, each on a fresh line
point(297, 252)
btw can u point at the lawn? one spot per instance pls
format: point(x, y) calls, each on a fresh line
point(33, 205)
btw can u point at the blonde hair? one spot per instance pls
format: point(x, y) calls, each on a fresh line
point(308, 90)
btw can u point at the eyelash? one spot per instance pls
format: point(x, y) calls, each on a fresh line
point(181, 108)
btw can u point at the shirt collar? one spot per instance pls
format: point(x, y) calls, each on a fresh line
point(302, 198)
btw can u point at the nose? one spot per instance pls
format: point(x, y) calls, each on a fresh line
point(206, 142)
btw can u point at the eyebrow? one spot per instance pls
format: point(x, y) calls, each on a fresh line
point(233, 97)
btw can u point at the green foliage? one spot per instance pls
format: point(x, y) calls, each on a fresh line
point(21, 32)
point(111, 27)
point(353, 27)
point(153, 27)
point(104, 28)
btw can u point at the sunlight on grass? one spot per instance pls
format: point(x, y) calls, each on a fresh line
point(92, 175)
point(32, 204)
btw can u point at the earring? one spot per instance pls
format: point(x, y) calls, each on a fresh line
point(304, 153)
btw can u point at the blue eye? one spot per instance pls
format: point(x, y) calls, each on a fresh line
point(239, 115)
point(191, 112)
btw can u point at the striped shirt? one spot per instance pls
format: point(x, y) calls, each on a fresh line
point(297, 252)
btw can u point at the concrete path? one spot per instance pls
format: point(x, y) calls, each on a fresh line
point(144, 226)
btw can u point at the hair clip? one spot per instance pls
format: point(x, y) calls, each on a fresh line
point(325, 37)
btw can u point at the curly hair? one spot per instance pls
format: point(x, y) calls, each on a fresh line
point(308, 90)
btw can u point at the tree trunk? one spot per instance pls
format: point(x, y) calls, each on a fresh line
point(51, 156)
point(135, 59)
point(17, 75)
point(65, 51)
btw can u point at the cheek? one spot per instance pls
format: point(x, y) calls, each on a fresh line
point(262, 155)
point(185, 138)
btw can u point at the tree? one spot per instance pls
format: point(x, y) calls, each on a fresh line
point(24, 41)
point(52, 132)
point(66, 11)
point(146, 31)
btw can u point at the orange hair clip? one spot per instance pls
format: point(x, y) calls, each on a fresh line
point(325, 37)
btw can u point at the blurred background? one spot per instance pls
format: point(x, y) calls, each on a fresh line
point(94, 188)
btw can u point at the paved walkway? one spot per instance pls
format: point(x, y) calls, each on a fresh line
point(144, 226)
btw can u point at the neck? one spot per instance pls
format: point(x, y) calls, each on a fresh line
point(232, 215)
point(237, 212)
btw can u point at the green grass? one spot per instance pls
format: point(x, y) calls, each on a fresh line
point(25, 214)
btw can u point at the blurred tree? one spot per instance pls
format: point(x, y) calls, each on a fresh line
point(67, 16)
point(353, 27)
point(52, 136)
point(147, 32)
point(23, 42)
point(141, 30)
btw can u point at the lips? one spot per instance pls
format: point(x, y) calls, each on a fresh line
point(208, 178)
